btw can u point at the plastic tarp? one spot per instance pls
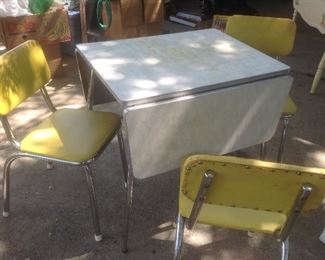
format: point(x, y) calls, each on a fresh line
point(13, 8)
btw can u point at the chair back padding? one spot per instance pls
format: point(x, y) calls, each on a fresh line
point(273, 36)
point(23, 70)
point(251, 184)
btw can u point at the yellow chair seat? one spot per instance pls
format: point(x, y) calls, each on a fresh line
point(234, 217)
point(290, 107)
point(55, 138)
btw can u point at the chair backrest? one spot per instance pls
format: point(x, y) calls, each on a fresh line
point(273, 36)
point(23, 71)
point(252, 184)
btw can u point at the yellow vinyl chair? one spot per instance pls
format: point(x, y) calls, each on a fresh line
point(235, 193)
point(274, 37)
point(68, 136)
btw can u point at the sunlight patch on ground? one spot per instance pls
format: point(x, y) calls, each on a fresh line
point(167, 235)
point(314, 153)
point(89, 255)
point(165, 225)
point(229, 254)
point(318, 156)
point(71, 85)
point(198, 237)
point(25, 117)
point(303, 141)
point(3, 248)
point(166, 232)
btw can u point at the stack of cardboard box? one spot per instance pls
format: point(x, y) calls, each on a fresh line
point(49, 29)
point(134, 18)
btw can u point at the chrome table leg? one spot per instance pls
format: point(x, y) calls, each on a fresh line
point(179, 237)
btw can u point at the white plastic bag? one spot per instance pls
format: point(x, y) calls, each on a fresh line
point(13, 7)
point(23, 4)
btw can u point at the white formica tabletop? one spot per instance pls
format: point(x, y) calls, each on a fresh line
point(147, 69)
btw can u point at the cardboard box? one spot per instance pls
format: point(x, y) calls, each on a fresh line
point(150, 29)
point(48, 28)
point(153, 11)
point(130, 11)
point(53, 56)
point(131, 18)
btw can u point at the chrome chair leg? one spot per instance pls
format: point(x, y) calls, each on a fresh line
point(262, 151)
point(179, 237)
point(285, 121)
point(129, 194)
point(285, 249)
point(322, 237)
point(6, 183)
point(93, 203)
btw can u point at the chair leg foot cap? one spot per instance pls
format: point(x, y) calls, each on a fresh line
point(5, 214)
point(49, 165)
point(98, 238)
point(322, 236)
point(125, 251)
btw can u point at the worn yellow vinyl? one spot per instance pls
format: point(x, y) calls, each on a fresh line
point(71, 134)
point(290, 107)
point(273, 36)
point(234, 217)
point(23, 71)
point(247, 194)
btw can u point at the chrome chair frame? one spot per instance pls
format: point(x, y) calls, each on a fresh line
point(207, 178)
point(84, 164)
point(285, 119)
point(126, 163)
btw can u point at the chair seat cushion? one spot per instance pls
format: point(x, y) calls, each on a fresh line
point(71, 134)
point(289, 108)
point(235, 217)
